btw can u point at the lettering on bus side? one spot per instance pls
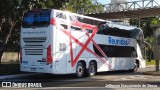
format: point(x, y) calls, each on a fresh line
point(35, 32)
point(118, 41)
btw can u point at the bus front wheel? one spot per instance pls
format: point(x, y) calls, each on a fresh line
point(80, 69)
point(136, 66)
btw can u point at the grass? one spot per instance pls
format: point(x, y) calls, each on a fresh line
point(150, 63)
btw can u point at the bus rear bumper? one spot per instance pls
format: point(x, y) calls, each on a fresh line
point(38, 69)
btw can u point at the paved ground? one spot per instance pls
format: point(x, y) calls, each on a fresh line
point(120, 79)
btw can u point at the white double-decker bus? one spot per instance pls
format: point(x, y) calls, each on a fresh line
point(60, 42)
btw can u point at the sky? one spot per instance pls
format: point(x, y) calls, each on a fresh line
point(104, 1)
point(108, 1)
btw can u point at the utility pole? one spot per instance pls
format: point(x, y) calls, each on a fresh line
point(157, 65)
point(156, 35)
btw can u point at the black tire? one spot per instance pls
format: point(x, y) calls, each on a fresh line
point(79, 70)
point(135, 68)
point(91, 71)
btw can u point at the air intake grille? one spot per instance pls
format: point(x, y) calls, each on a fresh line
point(34, 41)
point(33, 51)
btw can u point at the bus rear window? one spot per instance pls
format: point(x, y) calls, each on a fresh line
point(39, 18)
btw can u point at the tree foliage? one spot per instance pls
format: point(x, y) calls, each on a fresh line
point(12, 11)
point(144, 24)
point(82, 6)
point(155, 21)
point(10, 20)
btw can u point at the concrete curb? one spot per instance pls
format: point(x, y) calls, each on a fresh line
point(152, 73)
point(17, 75)
point(150, 66)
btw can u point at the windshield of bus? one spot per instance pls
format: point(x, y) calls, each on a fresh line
point(137, 34)
point(37, 18)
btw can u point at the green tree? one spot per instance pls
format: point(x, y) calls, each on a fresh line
point(12, 11)
point(10, 18)
point(155, 21)
point(82, 5)
point(144, 24)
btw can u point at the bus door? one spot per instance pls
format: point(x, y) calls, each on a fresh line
point(61, 57)
point(71, 69)
point(61, 43)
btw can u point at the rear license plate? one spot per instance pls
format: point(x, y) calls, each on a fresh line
point(33, 69)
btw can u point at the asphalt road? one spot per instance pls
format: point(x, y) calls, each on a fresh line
point(106, 80)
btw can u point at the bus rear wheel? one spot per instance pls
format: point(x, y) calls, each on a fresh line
point(91, 71)
point(80, 69)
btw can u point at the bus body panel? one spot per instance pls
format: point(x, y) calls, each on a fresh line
point(67, 41)
point(35, 42)
point(142, 62)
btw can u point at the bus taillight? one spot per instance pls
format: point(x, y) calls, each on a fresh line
point(52, 21)
point(49, 55)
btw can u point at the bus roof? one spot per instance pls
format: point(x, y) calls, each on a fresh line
point(110, 23)
point(121, 26)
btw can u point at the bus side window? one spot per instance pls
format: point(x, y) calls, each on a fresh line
point(133, 52)
point(89, 31)
point(64, 26)
point(76, 28)
point(70, 18)
point(61, 15)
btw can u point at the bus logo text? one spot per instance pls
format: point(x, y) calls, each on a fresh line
point(118, 41)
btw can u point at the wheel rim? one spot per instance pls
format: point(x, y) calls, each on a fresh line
point(79, 71)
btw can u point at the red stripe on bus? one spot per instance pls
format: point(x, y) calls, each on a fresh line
point(71, 51)
point(85, 45)
point(100, 50)
point(92, 27)
point(84, 26)
point(87, 49)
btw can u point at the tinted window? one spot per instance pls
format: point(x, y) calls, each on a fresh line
point(64, 26)
point(40, 18)
point(134, 33)
point(76, 28)
point(103, 28)
point(116, 51)
point(89, 31)
point(114, 32)
point(60, 15)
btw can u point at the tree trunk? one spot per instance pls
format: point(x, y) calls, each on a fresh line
point(157, 65)
point(4, 44)
point(6, 39)
point(1, 53)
